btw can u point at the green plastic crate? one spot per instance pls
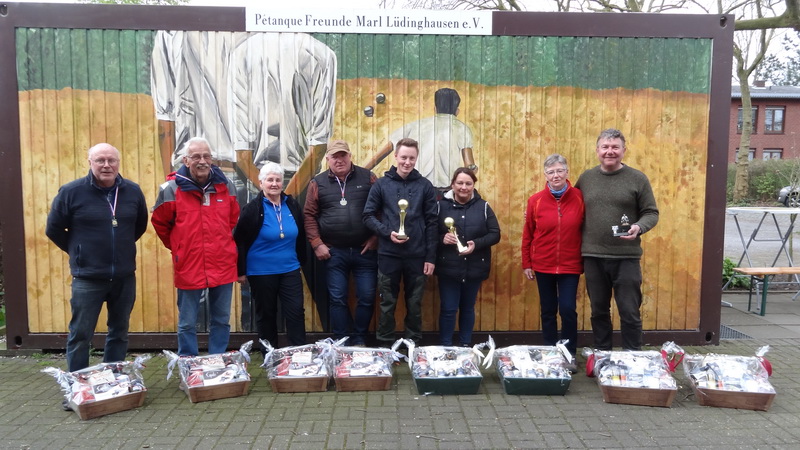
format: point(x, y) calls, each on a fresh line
point(448, 385)
point(535, 386)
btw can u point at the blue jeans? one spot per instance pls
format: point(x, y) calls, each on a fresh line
point(87, 300)
point(557, 293)
point(457, 297)
point(219, 316)
point(343, 262)
point(266, 291)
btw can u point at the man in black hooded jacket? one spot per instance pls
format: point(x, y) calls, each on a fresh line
point(409, 258)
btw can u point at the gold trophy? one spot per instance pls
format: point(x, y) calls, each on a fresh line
point(451, 225)
point(403, 205)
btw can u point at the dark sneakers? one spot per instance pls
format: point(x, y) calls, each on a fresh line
point(65, 405)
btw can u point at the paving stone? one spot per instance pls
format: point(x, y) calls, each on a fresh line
point(30, 415)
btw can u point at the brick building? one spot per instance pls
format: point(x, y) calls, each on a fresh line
point(776, 122)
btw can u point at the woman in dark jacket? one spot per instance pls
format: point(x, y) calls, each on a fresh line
point(461, 272)
point(271, 241)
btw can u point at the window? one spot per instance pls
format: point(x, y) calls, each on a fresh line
point(750, 155)
point(739, 119)
point(772, 153)
point(773, 119)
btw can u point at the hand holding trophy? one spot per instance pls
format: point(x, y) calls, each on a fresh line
point(403, 205)
point(451, 225)
point(623, 229)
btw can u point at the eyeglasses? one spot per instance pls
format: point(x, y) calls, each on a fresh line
point(104, 161)
point(550, 173)
point(198, 157)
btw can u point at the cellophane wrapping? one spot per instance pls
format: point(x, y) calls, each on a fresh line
point(729, 372)
point(634, 369)
point(530, 361)
point(102, 381)
point(445, 362)
point(211, 370)
point(311, 360)
point(364, 362)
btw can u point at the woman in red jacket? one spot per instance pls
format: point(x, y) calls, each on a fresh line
point(551, 250)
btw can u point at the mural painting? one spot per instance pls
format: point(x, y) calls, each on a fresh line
point(500, 104)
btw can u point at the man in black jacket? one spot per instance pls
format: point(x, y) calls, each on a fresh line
point(409, 257)
point(335, 201)
point(97, 220)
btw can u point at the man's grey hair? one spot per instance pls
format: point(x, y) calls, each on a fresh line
point(611, 133)
point(98, 146)
point(553, 159)
point(195, 140)
point(270, 167)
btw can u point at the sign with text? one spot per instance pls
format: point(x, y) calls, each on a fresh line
point(388, 21)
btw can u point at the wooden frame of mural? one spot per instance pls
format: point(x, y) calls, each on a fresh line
point(541, 83)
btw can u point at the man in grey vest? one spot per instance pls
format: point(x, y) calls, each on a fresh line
point(334, 205)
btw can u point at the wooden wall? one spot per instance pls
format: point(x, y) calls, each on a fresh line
point(523, 97)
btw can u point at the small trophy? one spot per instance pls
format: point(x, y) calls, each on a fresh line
point(403, 205)
point(623, 228)
point(451, 225)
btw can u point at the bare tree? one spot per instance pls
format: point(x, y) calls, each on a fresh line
point(496, 5)
point(782, 69)
point(755, 45)
point(137, 2)
point(648, 6)
point(790, 18)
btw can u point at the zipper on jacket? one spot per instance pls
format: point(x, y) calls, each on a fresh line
point(558, 241)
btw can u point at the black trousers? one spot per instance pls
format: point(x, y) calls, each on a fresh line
point(623, 277)
point(266, 291)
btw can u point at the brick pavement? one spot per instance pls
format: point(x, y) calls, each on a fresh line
point(31, 418)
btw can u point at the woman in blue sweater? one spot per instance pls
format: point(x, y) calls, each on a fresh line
point(271, 241)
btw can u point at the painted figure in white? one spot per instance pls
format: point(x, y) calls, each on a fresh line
point(445, 143)
point(256, 97)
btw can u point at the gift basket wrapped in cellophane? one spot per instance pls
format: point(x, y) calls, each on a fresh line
point(104, 388)
point(731, 381)
point(534, 369)
point(302, 368)
point(363, 368)
point(212, 377)
point(636, 377)
point(447, 370)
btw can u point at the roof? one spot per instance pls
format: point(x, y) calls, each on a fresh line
point(768, 92)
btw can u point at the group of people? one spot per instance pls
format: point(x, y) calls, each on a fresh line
point(381, 231)
point(592, 228)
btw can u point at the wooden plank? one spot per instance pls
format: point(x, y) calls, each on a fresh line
point(155, 300)
point(74, 164)
point(696, 154)
point(487, 136)
point(37, 254)
point(503, 162)
point(508, 262)
point(761, 271)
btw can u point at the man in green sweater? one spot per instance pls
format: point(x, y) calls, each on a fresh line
point(620, 207)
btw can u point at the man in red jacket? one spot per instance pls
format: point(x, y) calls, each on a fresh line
point(194, 216)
